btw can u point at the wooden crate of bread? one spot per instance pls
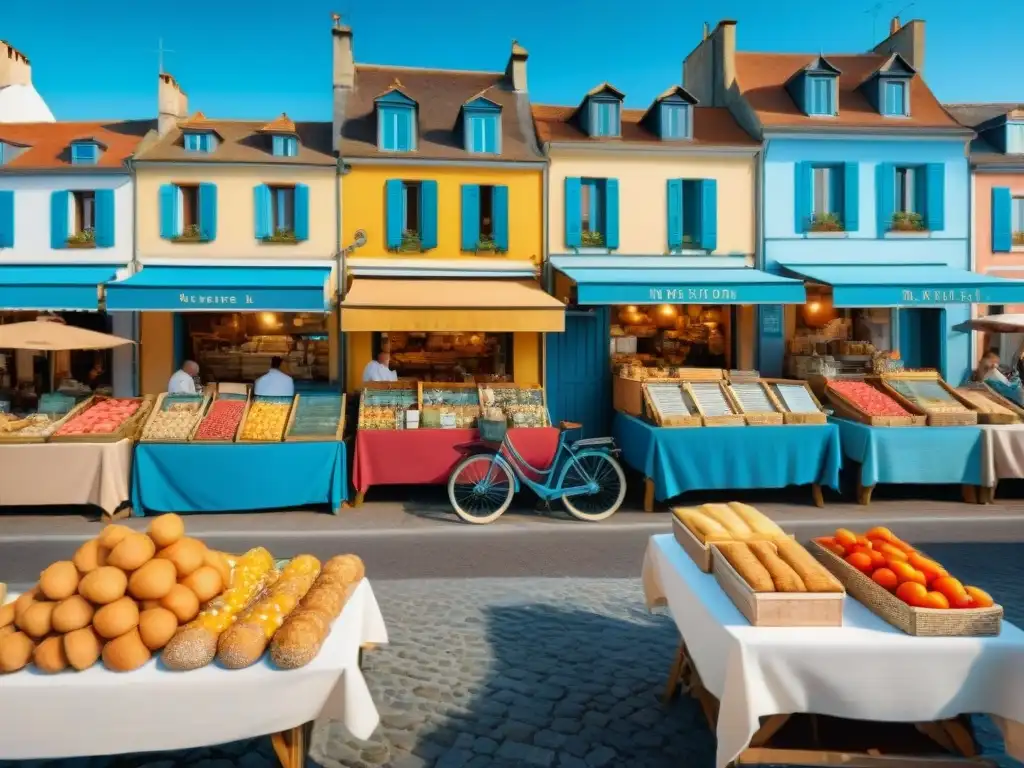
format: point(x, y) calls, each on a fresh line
point(696, 528)
point(778, 584)
point(200, 431)
point(926, 394)
point(797, 401)
point(159, 428)
point(992, 408)
point(714, 404)
point(668, 404)
point(754, 400)
point(126, 429)
point(34, 430)
point(859, 398)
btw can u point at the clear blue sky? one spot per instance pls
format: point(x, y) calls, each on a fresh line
point(98, 59)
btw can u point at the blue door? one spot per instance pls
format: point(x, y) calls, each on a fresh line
point(579, 371)
point(921, 338)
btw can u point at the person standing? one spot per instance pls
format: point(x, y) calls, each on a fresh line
point(380, 369)
point(183, 381)
point(275, 382)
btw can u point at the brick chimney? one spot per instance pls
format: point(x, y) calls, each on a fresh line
point(14, 66)
point(344, 58)
point(515, 72)
point(172, 104)
point(894, 26)
point(907, 40)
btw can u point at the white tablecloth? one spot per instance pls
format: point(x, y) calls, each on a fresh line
point(1002, 453)
point(98, 712)
point(65, 473)
point(864, 670)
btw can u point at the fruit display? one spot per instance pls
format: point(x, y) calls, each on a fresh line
point(104, 417)
point(317, 417)
point(712, 523)
point(221, 421)
point(174, 418)
point(867, 398)
point(266, 420)
point(778, 566)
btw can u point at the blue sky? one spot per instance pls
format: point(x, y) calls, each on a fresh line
point(98, 59)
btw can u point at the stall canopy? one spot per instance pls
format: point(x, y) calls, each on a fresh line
point(53, 287)
point(490, 306)
point(223, 289)
point(664, 280)
point(909, 285)
point(55, 336)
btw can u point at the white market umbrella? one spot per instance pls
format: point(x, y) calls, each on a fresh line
point(51, 336)
point(997, 324)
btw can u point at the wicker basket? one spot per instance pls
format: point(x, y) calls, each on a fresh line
point(492, 430)
point(920, 622)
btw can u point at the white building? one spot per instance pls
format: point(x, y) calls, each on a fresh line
point(19, 100)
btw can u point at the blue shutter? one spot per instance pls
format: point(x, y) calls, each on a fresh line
point(499, 216)
point(573, 215)
point(263, 211)
point(207, 211)
point(428, 214)
point(851, 197)
point(105, 218)
point(675, 213)
point(301, 212)
point(7, 219)
point(1002, 220)
point(611, 213)
point(168, 211)
point(708, 214)
point(802, 203)
point(394, 191)
point(935, 196)
point(885, 195)
point(470, 216)
point(59, 211)
point(404, 138)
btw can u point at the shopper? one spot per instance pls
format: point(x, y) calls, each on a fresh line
point(275, 382)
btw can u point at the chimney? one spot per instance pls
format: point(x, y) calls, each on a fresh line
point(907, 40)
point(894, 26)
point(707, 31)
point(172, 104)
point(14, 66)
point(515, 72)
point(344, 61)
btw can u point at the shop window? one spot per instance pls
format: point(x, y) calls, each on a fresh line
point(83, 220)
point(448, 356)
point(1018, 221)
point(283, 209)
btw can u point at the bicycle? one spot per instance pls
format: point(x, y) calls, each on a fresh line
point(584, 474)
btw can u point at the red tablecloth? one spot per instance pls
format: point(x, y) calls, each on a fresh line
point(428, 456)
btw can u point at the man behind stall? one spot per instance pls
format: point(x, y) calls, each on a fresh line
point(183, 380)
point(275, 382)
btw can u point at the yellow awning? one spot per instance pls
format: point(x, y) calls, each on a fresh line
point(429, 304)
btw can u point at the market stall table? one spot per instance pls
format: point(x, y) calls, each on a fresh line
point(37, 474)
point(675, 460)
point(1002, 456)
point(428, 456)
point(913, 455)
point(153, 709)
point(864, 670)
point(197, 477)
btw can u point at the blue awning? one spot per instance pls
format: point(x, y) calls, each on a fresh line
point(53, 287)
point(223, 289)
point(909, 285)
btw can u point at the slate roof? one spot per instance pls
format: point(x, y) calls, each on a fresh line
point(47, 146)
point(977, 115)
point(241, 141)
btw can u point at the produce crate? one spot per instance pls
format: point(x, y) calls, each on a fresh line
point(793, 392)
point(701, 374)
point(777, 609)
point(716, 410)
point(699, 552)
point(1011, 414)
point(232, 388)
point(194, 437)
point(754, 400)
point(378, 397)
point(288, 402)
point(14, 437)
point(628, 395)
point(161, 404)
point(668, 404)
point(127, 430)
point(290, 437)
point(937, 416)
point(523, 406)
point(920, 622)
point(847, 409)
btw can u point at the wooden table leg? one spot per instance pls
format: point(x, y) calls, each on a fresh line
point(358, 500)
point(291, 746)
point(970, 493)
point(863, 491)
point(648, 495)
point(819, 500)
point(769, 728)
point(675, 675)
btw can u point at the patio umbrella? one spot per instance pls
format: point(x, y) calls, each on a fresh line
point(53, 336)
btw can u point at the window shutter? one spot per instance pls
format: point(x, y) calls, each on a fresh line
point(1002, 220)
point(470, 216)
point(105, 218)
point(885, 195)
point(59, 212)
point(7, 219)
point(393, 195)
point(935, 196)
point(499, 211)
point(675, 213)
point(208, 211)
point(405, 120)
point(263, 211)
point(168, 211)
point(573, 217)
point(803, 187)
point(708, 214)
point(611, 213)
point(428, 214)
point(301, 212)
point(851, 197)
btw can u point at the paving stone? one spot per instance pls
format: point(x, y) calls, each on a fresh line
point(454, 758)
point(526, 754)
point(548, 739)
point(600, 757)
point(485, 746)
point(566, 725)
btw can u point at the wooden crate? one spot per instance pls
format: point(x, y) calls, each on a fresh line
point(628, 395)
point(232, 388)
point(789, 417)
point(935, 418)
point(12, 437)
point(402, 385)
point(1015, 415)
point(511, 385)
point(194, 438)
point(451, 385)
point(755, 418)
point(699, 552)
point(158, 406)
point(701, 374)
point(245, 417)
point(653, 413)
point(339, 432)
point(846, 409)
point(734, 419)
point(777, 609)
point(126, 430)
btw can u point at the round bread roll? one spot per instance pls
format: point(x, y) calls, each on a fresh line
point(134, 551)
point(153, 580)
point(190, 648)
point(166, 529)
point(104, 585)
point(90, 556)
point(25, 599)
point(10, 629)
point(71, 614)
point(206, 582)
point(37, 619)
point(186, 554)
point(7, 614)
point(347, 567)
point(125, 653)
point(116, 618)
point(82, 647)
point(147, 605)
point(15, 651)
point(112, 535)
point(59, 581)
point(49, 655)
point(182, 602)
point(156, 627)
point(219, 561)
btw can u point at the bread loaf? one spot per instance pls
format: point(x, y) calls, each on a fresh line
point(783, 576)
point(725, 515)
point(746, 564)
point(813, 574)
point(704, 527)
point(759, 523)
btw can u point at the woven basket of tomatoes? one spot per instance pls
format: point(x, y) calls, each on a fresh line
point(905, 587)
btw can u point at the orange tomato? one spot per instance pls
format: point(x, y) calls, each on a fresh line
point(845, 538)
point(829, 543)
point(892, 552)
point(902, 545)
point(912, 594)
point(935, 600)
point(864, 541)
point(877, 559)
point(931, 569)
point(880, 532)
point(905, 572)
point(884, 577)
point(981, 598)
point(952, 589)
point(826, 541)
point(860, 561)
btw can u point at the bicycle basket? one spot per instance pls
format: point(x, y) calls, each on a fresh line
point(492, 430)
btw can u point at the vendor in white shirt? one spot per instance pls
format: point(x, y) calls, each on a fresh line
point(379, 370)
point(183, 380)
point(275, 382)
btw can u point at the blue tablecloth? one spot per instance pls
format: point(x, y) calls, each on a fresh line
point(926, 455)
point(242, 476)
point(681, 459)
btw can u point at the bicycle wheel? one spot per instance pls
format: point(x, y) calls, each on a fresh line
point(480, 489)
point(611, 486)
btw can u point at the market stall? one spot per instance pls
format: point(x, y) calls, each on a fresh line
point(688, 429)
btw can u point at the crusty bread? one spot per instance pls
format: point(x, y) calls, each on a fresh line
point(704, 527)
point(747, 566)
point(728, 518)
point(813, 574)
point(759, 523)
point(783, 576)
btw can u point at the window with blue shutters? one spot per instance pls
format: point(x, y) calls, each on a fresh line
point(592, 211)
point(1017, 221)
point(396, 122)
point(918, 197)
point(285, 146)
point(821, 95)
point(6, 218)
point(199, 141)
point(81, 224)
point(675, 121)
point(188, 212)
point(411, 215)
point(484, 218)
point(604, 117)
point(693, 214)
point(895, 102)
point(84, 153)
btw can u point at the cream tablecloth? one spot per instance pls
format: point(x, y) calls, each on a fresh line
point(98, 712)
point(863, 670)
point(1002, 453)
point(65, 473)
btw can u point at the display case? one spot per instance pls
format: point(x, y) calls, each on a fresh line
point(449, 405)
point(714, 404)
point(104, 419)
point(316, 418)
point(265, 419)
point(222, 419)
point(992, 407)
point(38, 427)
point(668, 404)
point(797, 401)
point(859, 398)
point(383, 404)
point(753, 399)
point(523, 406)
point(173, 418)
point(924, 393)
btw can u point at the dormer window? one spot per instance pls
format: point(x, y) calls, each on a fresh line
point(285, 146)
point(199, 141)
point(889, 88)
point(896, 98)
point(5, 153)
point(481, 125)
point(601, 113)
point(671, 115)
point(396, 121)
point(675, 121)
point(815, 88)
point(1015, 137)
point(821, 95)
point(85, 152)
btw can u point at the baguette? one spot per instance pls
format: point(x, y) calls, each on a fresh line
point(704, 527)
point(747, 566)
point(813, 574)
point(732, 522)
point(783, 576)
point(759, 523)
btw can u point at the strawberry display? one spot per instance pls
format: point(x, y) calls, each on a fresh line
point(103, 418)
point(222, 420)
point(870, 400)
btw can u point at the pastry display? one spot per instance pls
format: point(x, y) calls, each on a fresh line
point(104, 417)
point(266, 420)
point(37, 426)
point(986, 402)
point(221, 420)
point(871, 400)
point(174, 418)
point(712, 523)
point(778, 566)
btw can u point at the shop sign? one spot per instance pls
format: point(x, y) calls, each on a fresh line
point(222, 299)
point(771, 320)
point(941, 296)
point(696, 295)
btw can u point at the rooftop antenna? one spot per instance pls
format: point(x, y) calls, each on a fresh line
point(875, 10)
point(160, 51)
